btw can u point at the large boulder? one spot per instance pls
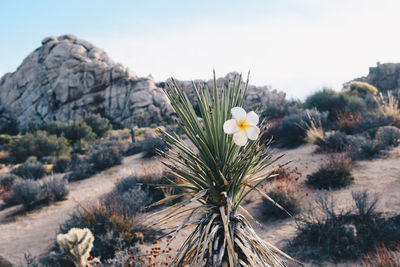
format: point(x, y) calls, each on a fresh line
point(384, 76)
point(66, 78)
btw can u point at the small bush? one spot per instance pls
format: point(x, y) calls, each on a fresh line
point(113, 223)
point(5, 140)
point(292, 129)
point(81, 169)
point(30, 193)
point(62, 164)
point(78, 130)
point(324, 233)
point(39, 145)
point(100, 126)
point(335, 174)
point(284, 196)
point(387, 136)
point(105, 158)
point(334, 103)
point(6, 183)
point(30, 170)
point(284, 190)
point(362, 88)
point(349, 123)
point(150, 146)
point(56, 188)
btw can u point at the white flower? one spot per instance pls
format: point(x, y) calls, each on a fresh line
point(243, 126)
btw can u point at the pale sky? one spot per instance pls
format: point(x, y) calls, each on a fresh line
point(297, 46)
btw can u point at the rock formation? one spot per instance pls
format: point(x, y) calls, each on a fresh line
point(384, 76)
point(257, 97)
point(66, 78)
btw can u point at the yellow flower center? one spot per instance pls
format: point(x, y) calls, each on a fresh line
point(243, 125)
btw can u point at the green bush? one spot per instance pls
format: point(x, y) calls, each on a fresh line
point(62, 164)
point(78, 130)
point(334, 103)
point(100, 126)
point(40, 145)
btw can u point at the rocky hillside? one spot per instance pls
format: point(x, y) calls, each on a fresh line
point(66, 78)
point(384, 76)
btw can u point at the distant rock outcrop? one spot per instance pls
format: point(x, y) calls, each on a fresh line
point(257, 97)
point(384, 76)
point(66, 78)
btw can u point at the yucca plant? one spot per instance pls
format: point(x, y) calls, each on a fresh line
point(217, 177)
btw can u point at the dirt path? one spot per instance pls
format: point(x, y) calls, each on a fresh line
point(35, 231)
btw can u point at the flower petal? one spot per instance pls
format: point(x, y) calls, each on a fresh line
point(240, 138)
point(230, 126)
point(252, 132)
point(238, 113)
point(252, 118)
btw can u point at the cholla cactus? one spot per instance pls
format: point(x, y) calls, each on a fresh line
point(76, 245)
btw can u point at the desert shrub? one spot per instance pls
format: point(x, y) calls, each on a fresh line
point(292, 129)
point(62, 164)
point(113, 228)
point(39, 145)
point(30, 193)
point(53, 127)
point(383, 256)
point(362, 88)
point(150, 146)
point(335, 173)
point(356, 146)
point(334, 102)
point(106, 153)
point(387, 136)
point(56, 188)
point(348, 122)
point(285, 196)
point(389, 106)
point(325, 233)
point(284, 190)
point(100, 126)
point(27, 192)
point(134, 148)
point(6, 182)
point(130, 196)
point(80, 168)
point(30, 170)
point(78, 130)
point(105, 158)
point(5, 140)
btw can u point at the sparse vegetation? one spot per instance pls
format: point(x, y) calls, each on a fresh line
point(30, 170)
point(38, 144)
point(31, 193)
point(325, 233)
point(334, 174)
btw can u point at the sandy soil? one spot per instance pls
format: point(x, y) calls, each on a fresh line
point(35, 231)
